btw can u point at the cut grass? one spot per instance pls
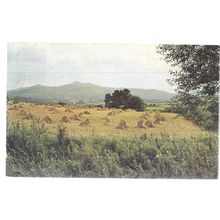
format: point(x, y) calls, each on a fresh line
point(175, 126)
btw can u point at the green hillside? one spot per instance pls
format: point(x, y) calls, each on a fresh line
point(77, 91)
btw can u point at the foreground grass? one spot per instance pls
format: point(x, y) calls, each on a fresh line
point(32, 151)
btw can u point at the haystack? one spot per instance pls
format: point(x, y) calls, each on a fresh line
point(87, 112)
point(75, 117)
point(55, 111)
point(23, 112)
point(69, 110)
point(112, 113)
point(29, 116)
point(15, 107)
point(122, 125)
point(140, 124)
point(157, 121)
point(162, 118)
point(106, 119)
point(145, 115)
point(51, 109)
point(86, 123)
point(149, 124)
point(106, 123)
point(80, 114)
point(20, 105)
point(48, 119)
point(65, 119)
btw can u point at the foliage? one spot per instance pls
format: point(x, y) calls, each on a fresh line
point(198, 67)
point(32, 151)
point(197, 80)
point(202, 110)
point(135, 102)
point(118, 99)
point(61, 103)
point(124, 100)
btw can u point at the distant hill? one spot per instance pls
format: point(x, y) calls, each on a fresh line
point(77, 91)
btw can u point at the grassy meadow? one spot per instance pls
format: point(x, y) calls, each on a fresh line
point(55, 140)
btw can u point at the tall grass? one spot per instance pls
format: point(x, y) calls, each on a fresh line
point(32, 151)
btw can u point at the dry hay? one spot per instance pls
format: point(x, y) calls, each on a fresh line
point(122, 125)
point(51, 109)
point(111, 113)
point(48, 119)
point(65, 119)
point(106, 119)
point(20, 105)
point(12, 107)
point(115, 112)
point(149, 124)
point(130, 110)
point(140, 124)
point(145, 115)
point(23, 113)
point(157, 121)
point(87, 112)
point(75, 117)
point(86, 123)
point(80, 114)
point(162, 118)
point(158, 118)
point(69, 110)
point(29, 116)
point(55, 111)
point(106, 123)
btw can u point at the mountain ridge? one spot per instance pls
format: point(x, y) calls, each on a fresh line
point(77, 91)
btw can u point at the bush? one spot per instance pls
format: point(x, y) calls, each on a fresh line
point(201, 110)
point(32, 151)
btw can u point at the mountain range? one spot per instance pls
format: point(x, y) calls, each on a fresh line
point(84, 92)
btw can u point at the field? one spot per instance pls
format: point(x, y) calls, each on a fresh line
point(54, 140)
point(172, 125)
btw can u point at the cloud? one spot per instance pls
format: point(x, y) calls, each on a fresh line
point(63, 63)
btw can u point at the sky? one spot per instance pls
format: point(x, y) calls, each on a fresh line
point(111, 65)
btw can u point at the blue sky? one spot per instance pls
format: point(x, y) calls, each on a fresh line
point(112, 65)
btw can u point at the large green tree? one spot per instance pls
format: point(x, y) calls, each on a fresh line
point(195, 71)
point(196, 67)
point(123, 99)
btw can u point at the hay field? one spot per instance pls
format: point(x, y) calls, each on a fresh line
point(89, 121)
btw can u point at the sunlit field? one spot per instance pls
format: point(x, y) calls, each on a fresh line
point(102, 121)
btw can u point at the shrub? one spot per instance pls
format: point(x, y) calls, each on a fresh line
point(32, 151)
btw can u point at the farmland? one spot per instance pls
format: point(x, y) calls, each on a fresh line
point(172, 124)
point(55, 140)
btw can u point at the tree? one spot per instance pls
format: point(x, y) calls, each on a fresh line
point(118, 99)
point(124, 100)
point(108, 100)
point(135, 102)
point(197, 79)
point(198, 67)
